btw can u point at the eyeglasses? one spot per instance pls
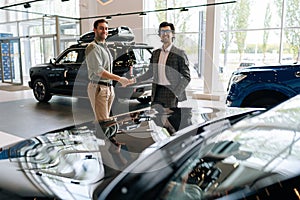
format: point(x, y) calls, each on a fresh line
point(165, 31)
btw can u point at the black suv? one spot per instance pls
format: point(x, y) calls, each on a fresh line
point(67, 74)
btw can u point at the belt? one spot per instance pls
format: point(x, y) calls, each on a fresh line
point(100, 83)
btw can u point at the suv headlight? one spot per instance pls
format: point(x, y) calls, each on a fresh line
point(235, 79)
point(238, 78)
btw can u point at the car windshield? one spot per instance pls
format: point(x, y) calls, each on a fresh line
point(240, 159)
point(215, 173)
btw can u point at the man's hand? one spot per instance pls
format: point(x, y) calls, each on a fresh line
point(124, 81)
point(131, 81)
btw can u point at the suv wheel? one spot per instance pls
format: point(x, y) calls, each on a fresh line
point(264, 99)
point(266, 102)
point(144, 100)
point(40, 91)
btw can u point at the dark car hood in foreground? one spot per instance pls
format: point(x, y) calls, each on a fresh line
point(255, 158)
point(69, 163)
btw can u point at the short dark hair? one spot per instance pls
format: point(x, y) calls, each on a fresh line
point(98, 22)
point(164, 24)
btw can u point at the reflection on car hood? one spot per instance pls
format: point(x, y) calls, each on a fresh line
point(250, 157)
point(68, 164)
point(272, 137)
point(268, 151)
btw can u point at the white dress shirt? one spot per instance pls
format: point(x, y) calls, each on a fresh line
point(162, 78)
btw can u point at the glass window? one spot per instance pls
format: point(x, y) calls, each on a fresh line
point(292, 17)
point(9, 29)
point(49, 25)
point(36, 54)
point(31, 27)
point(291, 43)
point(189, 27)
point(184, 21)
point(264, 14)
point(252, 32)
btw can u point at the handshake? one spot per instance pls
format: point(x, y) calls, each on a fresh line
point(125, 81)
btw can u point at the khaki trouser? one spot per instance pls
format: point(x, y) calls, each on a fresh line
point(101, 98)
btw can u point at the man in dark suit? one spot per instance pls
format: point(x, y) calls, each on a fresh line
point(169, 68)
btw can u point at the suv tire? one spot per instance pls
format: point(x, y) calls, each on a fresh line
point(41, 91)
point(264, 99)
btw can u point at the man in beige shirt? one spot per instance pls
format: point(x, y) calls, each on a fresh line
point(99, 64)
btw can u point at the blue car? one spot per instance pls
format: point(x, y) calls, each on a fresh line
point(263, 86)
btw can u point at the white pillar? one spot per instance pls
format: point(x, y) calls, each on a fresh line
point(212, 85)
point(211, 47)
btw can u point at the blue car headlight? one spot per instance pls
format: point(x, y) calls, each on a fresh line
point(235, 79)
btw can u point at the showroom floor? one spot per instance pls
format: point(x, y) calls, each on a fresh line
point(23, 117)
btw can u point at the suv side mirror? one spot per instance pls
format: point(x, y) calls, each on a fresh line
point(52, 60)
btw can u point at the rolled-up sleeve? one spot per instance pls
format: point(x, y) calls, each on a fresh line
point(93, 60)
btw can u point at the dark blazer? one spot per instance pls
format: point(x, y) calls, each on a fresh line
point(177, 72)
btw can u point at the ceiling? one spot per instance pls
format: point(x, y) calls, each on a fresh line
point(40, 7)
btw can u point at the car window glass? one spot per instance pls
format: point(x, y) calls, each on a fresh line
point(131, 62)
point(142, 55)
point(246, 64)
point(142, 61)
point(70, 57)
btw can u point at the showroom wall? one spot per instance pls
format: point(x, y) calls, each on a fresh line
point(95, 9)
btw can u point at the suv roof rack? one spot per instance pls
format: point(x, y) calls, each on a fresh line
point(118, 34)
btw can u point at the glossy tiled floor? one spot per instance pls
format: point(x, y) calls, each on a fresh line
point(23, 117)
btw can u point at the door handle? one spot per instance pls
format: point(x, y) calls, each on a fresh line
point(65, 73)
point(297, 74)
